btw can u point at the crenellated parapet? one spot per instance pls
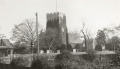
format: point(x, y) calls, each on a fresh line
point(56, 15)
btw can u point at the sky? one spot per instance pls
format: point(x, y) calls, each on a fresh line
point(96, 14)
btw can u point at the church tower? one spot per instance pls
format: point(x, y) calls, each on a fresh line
point(56, 28)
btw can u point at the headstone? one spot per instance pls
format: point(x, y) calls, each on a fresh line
point(58, 51)
point(41, 51)
point(103, 47)
point(49, 51)
point(74, 50)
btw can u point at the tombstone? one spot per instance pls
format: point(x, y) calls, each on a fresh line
point(41, 51)
point(58, 51)
point(74, 50)
point(103, 47)
point(49, 51)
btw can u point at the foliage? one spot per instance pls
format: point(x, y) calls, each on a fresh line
point(113, 44)
point(49, 40)
point(66, 60)
point(25, 32)
point(63, 60)
point(41, 62)
point(101, 37)
point(101, 62)
point(65, 55)
point(20, 61)
point(90, 56)
point(69, 47)
point(109, 46)
point(52, 42)
point(80, 47)
point(98, 48)
point(37, 64)
point(64, 47)
point(115, 59)
point(21, 48)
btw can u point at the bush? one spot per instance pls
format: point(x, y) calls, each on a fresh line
point(63, 60)
point(66, 60)
point(98, 48)
point(115, 59)
point(41, 62)
point(37, 64)
point(20, 61)
point(90, 56)
point(58, 66)
point(102, 62)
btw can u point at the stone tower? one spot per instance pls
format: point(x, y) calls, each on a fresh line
point(56, 28)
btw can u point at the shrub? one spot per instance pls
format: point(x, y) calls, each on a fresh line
point(90, 56)
point(66, 60)
point(37, 64)
point(63, 60)
point(98, 48)
point(102, 61)
point(115, 59)
point(20, 61)
point(41, 62)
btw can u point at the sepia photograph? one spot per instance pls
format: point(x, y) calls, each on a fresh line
point(59, 34)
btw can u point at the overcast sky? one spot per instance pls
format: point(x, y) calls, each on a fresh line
point(95, 13)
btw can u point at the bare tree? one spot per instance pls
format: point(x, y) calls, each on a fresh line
point(25, 32)
point(86, 34)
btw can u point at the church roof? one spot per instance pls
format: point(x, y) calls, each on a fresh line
point(5, 43)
